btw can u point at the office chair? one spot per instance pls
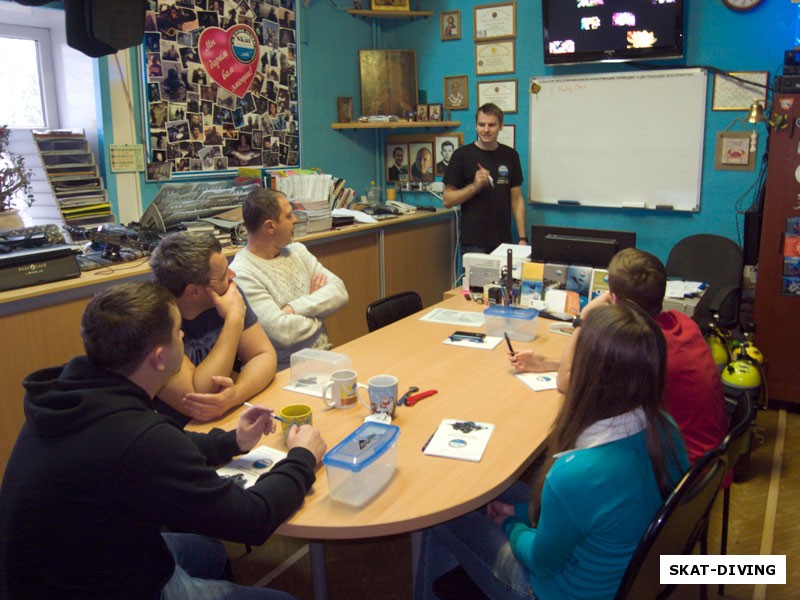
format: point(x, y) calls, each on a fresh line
point(677, 526)
point(392, 308)
point(717, 261)
point(734, 445)
point(457, 585)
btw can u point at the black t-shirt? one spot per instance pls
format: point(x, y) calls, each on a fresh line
point(486, 217)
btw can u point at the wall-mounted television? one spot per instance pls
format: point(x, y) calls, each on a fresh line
point(580, 31)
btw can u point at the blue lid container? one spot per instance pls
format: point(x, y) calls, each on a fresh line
point(362, 447)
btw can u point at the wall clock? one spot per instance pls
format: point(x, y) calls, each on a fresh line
point(741, 5)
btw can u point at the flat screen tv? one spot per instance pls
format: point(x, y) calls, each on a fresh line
point(580, 31)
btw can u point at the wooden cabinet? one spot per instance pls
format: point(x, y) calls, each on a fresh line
point(777, 303)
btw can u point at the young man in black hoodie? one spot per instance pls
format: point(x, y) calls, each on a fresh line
point(96, 474)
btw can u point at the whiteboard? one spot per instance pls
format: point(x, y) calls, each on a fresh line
point(623, 140)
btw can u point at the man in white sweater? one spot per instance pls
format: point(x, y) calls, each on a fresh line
point(286, 286)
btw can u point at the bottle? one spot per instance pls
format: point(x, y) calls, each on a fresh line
point(374, 194)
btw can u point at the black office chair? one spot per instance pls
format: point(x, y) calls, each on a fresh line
point(734, 445)
point(718, 261)
point(679, 524)
point(392, 308)
point(457, 585)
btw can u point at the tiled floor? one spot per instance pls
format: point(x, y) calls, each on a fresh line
point(380, 569)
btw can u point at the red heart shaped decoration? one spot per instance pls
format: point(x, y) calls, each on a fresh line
point(230, 56)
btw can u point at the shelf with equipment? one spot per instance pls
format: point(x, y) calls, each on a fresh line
point(395, 124)
point(390, 14)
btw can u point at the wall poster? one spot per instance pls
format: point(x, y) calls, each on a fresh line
point(221, 85)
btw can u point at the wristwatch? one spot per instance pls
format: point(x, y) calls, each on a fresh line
point(523, 239)
point(576, 322)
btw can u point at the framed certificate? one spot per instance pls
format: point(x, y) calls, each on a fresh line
point(495, 21)
point(494, 58)
point(508, 135)
point(502, 93)
point(737, 90)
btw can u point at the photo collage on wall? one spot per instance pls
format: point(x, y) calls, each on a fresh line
point(221, 85)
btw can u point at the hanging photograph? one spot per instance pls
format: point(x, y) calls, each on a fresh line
point(215, 72)
point(735, 151)
point(445, 146)
point(390, 4)
point(388, 81)
point(450, 25)
point(421, 156)
point(495, 21)
point(397, 162)
point(456, 93)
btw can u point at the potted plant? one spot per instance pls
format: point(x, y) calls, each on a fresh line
point(15, 181)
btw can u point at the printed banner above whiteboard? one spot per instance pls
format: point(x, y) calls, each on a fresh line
point(221, 85)
point(620, 140)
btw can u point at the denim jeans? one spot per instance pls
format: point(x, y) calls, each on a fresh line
point(199, 564)
point(483, 550)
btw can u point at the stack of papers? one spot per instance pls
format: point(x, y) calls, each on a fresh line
point(313, 216)
point(678, 288)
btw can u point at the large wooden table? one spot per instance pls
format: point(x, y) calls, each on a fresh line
point(472, 384)
point(39, 325)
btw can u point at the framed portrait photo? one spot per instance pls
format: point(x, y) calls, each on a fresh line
point(503, 93)
point(456, 93)
point(390, 4)
point(421, 159)
point(396, 162)
point(450, 25)
point(434, 112)
point(422, 112)
point(494, 58)
point(736, 151)
point(445, 146)
point(495, 21)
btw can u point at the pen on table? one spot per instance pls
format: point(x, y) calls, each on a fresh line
point(274, 416)
point(425, 445)
point(508, 343)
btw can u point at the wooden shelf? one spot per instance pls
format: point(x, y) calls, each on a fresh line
point(401, 124)
point(390, 14)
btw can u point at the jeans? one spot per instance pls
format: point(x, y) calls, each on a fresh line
point(483, 550)
point(199, 564)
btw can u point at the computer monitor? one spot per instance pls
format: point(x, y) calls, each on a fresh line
point(574, 245)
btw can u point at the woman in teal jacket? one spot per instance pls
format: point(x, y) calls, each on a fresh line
point(614, 456)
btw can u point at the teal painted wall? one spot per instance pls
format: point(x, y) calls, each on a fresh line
point(715, 36)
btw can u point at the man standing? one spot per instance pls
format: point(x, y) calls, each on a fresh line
point(446, 152)
point(288, 288)
point(96, 474)
point(398, 171)
point(222, 334)
point(484, 178)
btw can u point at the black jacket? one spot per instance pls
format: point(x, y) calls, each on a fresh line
point(94, 476)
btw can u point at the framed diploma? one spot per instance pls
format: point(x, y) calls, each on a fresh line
point(495, 21)
point(494, 58)
point(508, 135)
point(738, 91)
point(502, 93)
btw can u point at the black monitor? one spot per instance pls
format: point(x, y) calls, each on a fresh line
point(573, 245)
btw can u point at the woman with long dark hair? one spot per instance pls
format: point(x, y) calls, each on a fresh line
point(613, 457)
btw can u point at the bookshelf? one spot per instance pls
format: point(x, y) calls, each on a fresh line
point(74, 177)
point(391, 14)
point(394, 124)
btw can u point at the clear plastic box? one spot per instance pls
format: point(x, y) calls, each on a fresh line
point(311, 369)
point(362, 464)
point(519, 323)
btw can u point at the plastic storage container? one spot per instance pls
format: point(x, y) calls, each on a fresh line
point(311, 369)
point(519, 323)
point(362, 464)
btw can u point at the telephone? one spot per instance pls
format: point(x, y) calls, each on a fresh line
point(401, 207)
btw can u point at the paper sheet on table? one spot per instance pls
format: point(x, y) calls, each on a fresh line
point(677, 288)
point(539, 381)
point(245, 470)
point(454, 317)
point(310, 386)
point(489, 343)
point(358, 216)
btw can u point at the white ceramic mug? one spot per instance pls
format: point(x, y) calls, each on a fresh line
point(342, 390)
point(382, 391)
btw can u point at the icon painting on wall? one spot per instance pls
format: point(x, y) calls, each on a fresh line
point(221, 84)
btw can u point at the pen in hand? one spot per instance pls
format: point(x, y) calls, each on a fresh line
point(274, 416)
point(508, 343)
point(491, 179)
